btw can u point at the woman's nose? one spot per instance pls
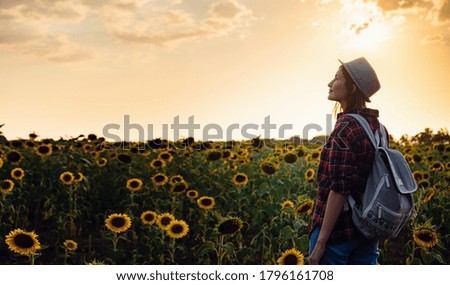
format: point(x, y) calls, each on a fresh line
point(331, 83)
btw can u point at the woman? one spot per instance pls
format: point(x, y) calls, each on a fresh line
point(345, 164)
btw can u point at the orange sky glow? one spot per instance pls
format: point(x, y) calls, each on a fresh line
point(71, 67)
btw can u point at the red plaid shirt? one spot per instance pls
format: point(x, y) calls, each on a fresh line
point(345, 163)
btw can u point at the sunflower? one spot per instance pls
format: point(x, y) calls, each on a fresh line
point(305, 206)
point(229, 226)
point(425, 236)
point(134, 184)
point(96, 262)
point(437, 166)
point(7, 186)
point(291, 257)
point(176, 179)
point(32, 136)
point(417, 175)
point(1, 162)
point(159, 179)
point(424, 183)
point(290, 157)
point(166, 156)
point(192, 193)
point(14, 157)
point(214, 155)
point(177, 229)
point(179, 188)
point(101, 162)
point(22, 242)
point(268, 167)
point(78, 177)
point(149, 217)
point(429, 194)
point(243, 152)
point(157, 163)
point(240, 179)
point(206, 202)
point(118, 223)
point(164, 220)
point(67, 178)
point(309, 174)
point(70, 245)
point(43, 150)
point(227, 154)
point(17, 173)
point(287, 203)
point(124, 158)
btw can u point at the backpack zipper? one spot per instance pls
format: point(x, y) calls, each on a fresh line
point(366, 211)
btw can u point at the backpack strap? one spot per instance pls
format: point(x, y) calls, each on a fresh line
point(376, 139)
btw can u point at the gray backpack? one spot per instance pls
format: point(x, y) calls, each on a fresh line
point(387, 202)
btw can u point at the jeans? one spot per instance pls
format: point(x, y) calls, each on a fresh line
point(359, 250)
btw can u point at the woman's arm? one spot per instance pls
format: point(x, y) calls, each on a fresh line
point(335, 204)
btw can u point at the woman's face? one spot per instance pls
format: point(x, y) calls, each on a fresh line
point(338, 91)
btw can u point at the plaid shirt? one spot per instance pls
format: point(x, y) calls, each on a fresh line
point(345, 163)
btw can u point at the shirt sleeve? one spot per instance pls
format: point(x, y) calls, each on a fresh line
point(342, 157)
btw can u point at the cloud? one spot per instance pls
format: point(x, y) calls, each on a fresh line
point(434, 39)
point(164, 27)
point(357, 29)
point(56, 30)
point(444, 14)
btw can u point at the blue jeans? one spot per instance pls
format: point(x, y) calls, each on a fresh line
point(359, 250)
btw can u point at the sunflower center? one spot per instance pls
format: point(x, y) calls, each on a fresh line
point(179, 188)
point(206, 202)
point(134, 184)
point(6, 185)
point(17, 173)
point(303, 208)
point(177, 229)
point(118, 222)
point(165, 156)
point(67, 178)
point(425, 236)
point(290, 260)
point(159, 178)
point(13, 156)
point(240, 178)
point(124, 158)
point(149, 217)
point(165, 221)
point(23, 241)
point(229, 227)
point(44, 149)
point(157, 163)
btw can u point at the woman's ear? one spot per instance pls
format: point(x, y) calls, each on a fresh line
point(353, 88)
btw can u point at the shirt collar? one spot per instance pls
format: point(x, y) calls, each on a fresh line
point(365, 111)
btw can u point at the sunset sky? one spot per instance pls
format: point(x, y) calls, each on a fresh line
point(70, 67)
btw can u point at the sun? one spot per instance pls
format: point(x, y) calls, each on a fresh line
point(366, 27)
point(367, 36)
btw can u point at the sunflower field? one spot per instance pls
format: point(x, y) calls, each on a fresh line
point(87, 201)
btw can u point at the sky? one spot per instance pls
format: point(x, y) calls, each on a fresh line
point(133, 69)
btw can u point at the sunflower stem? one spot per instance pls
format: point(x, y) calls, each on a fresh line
point(114, 241)
point(172, 251)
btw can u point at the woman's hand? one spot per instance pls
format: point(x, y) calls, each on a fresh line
point(317, 253)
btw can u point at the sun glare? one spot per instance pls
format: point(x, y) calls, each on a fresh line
point(368, 37)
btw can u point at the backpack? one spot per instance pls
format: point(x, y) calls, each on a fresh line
point(387, 202)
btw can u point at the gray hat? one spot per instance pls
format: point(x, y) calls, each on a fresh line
point(363, 75)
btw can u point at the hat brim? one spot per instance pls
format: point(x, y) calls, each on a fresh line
point(354, 81)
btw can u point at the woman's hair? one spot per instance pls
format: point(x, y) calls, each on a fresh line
point(356, 98)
